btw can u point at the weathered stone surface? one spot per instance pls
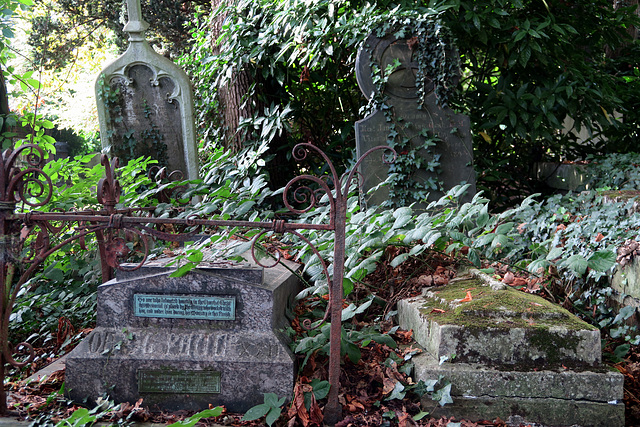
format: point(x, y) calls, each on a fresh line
point(522, 411)
point(498, 327)
point(625, 282)
point(570, 177)
point(249, 364)
point(243, 358)
point(454, 151)
point(479, 380)
point(517, 357)
point(145, 104)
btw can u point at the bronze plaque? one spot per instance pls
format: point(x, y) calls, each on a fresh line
point(178, 381)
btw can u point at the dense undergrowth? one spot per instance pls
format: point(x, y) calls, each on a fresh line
point(568, 242)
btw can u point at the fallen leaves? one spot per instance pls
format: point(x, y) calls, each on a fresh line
point(627, 251)
point(467, 298)
point(298, 409)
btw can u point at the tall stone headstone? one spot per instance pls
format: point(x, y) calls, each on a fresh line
point(145, 104)
point(212, 337)
point(454, 151)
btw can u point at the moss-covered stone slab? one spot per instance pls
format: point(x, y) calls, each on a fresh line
point(512, 356)
point(476, 323)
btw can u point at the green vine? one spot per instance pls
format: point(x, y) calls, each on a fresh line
point(437, 70)
point(124, 145)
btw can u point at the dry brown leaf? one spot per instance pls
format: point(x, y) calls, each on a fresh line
point(508, 278)
point(467, 298)
point(388, 384)
point(519, 281)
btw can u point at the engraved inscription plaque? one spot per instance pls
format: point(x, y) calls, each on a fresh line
point(176, 381)
point(184, 307)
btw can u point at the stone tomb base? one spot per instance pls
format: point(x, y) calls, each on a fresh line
point(512, 356)
point(208, 338)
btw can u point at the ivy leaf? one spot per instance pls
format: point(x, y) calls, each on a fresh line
point(256, 412)
point(398, 392)
point(602, 260)
point(576, 263)
point(443, 395)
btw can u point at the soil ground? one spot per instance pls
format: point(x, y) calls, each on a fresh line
point(368, 385)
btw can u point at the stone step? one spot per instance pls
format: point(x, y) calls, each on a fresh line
point(549, 397)
point(498, 327)
point(604, 385)
point(517, 411)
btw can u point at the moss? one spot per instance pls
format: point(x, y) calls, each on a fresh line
point(620, 195)
point(488, 308)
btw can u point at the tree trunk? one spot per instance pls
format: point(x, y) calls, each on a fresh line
point(235, 105)
point(233, 109)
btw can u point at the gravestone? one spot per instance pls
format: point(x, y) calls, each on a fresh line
point(454, 151)
point(511, 355)
point(212, 337)
point(145, 104)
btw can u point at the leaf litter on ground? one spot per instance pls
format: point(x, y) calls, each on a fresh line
point(375, 391)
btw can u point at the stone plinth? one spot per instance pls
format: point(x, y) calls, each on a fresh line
point(208, 338)
point(569, 177)
point(511, 355)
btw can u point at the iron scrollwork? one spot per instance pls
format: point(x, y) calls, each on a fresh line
point(114, 227)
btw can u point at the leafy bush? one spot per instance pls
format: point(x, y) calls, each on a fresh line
point(526, 66)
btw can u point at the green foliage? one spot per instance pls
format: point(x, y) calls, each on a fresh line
point(270, 409)
point(614, 171)
point(351, 340)
point(81, 417)
point(528, 65)
point(63, 292)
point(193, 420)
point(303, 63)
point(525, 67)
point(58, 27)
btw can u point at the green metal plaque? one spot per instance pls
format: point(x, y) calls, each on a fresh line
point(184, 307)
point(177, 381)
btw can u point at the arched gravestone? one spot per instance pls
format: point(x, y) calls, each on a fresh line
point(145, 104)
point(454, 150)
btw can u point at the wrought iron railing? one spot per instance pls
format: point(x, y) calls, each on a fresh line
point(22, 180)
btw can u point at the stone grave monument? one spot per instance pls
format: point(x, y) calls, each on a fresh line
point(212, 337)
point(145, 104)
point(511, 355)
point(454, 150)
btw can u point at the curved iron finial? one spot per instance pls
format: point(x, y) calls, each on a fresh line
point(109, 187)
point(30, 185)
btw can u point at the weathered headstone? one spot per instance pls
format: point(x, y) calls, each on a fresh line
point(145, 104)
point(454, 151)
point(212, 337)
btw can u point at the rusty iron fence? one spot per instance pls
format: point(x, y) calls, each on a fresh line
point(23, 181)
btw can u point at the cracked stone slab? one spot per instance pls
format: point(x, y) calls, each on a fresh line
point(498, 326)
